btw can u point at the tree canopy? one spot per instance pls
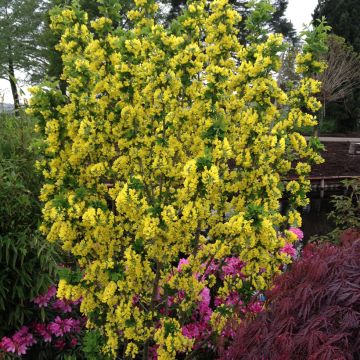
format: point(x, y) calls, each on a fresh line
point(20, 31)
point(343, 17)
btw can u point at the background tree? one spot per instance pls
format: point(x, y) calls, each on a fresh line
point(21, 23)
point(276, 22)
point(343, 17)
point(342, 75)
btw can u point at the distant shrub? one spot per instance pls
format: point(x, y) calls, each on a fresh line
point(314, 311)
point(345, 215)
point(26, 262)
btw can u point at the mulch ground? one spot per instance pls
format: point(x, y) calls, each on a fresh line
point(338, 161)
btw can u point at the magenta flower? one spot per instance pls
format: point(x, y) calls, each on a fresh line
point(182, 262)
point(19, 343)
point(233, 266)
point(43, 300)
point(60, 344)
point(60, 327)
point(43, 331)
point(7, 345)
point(204, 307)
point(297, 232)
point(73, 342)
point(255, 307)
point(192, 330)
point(233, 299)
point(62, 305)
point(56, 329)
point(288, 249)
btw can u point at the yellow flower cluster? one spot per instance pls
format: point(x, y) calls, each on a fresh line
point(167, 145)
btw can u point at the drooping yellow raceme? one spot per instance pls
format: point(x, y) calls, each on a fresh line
point(168, 145)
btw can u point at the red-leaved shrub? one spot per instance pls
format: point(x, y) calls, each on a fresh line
point(314, 311)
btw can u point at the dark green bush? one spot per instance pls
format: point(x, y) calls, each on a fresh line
point(27, 262)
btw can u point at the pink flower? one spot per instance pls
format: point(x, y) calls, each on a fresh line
point(19, 342)
point(43, 300)
point(43, 331)
point(60, 327)
point(288, 249)
point(51, 291)
point(55, 328)
point(204, 307)
point(7, 345)
point(153, 352)
point(210, 269)
point(73, 342)
point(233, 299)
point(255, 307)
point(233, 266)
point(192, 330)
point(297, 232)
point(62, 305)
point(182, 262)
point(60, 344)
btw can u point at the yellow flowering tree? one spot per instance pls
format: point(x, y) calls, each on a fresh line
point(170, 145)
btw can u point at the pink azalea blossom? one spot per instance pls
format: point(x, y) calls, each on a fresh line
point(73, 342)
point(60, 327)
point(153, 352)
point(192, 331)
point(233, 299)
point(43, 300)
point(233, 266)
point(204, 307)
point(43, 331)
point(60, 344)
point(19, 342)
point(297, 232)
point(210, 269)
point(288, 249)
point(7, 345)
point(255, 307)
point(182, 262)
point(62, 305)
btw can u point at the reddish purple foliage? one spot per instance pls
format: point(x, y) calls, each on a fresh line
point(314, 311)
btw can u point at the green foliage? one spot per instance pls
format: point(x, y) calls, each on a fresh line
point(93, 342)
point(346, 213)
point(26, 261)
point(316, 38)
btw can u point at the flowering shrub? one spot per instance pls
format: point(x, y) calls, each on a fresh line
point(170, 144)
point(60, 333)
point(314, 311)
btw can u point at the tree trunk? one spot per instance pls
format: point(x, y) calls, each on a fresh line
point(12, 80)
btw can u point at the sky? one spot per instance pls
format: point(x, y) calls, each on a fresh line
point(298, 12)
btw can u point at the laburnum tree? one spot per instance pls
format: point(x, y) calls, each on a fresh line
point(163, 167)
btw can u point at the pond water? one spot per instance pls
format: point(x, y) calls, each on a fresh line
point(315, 215)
